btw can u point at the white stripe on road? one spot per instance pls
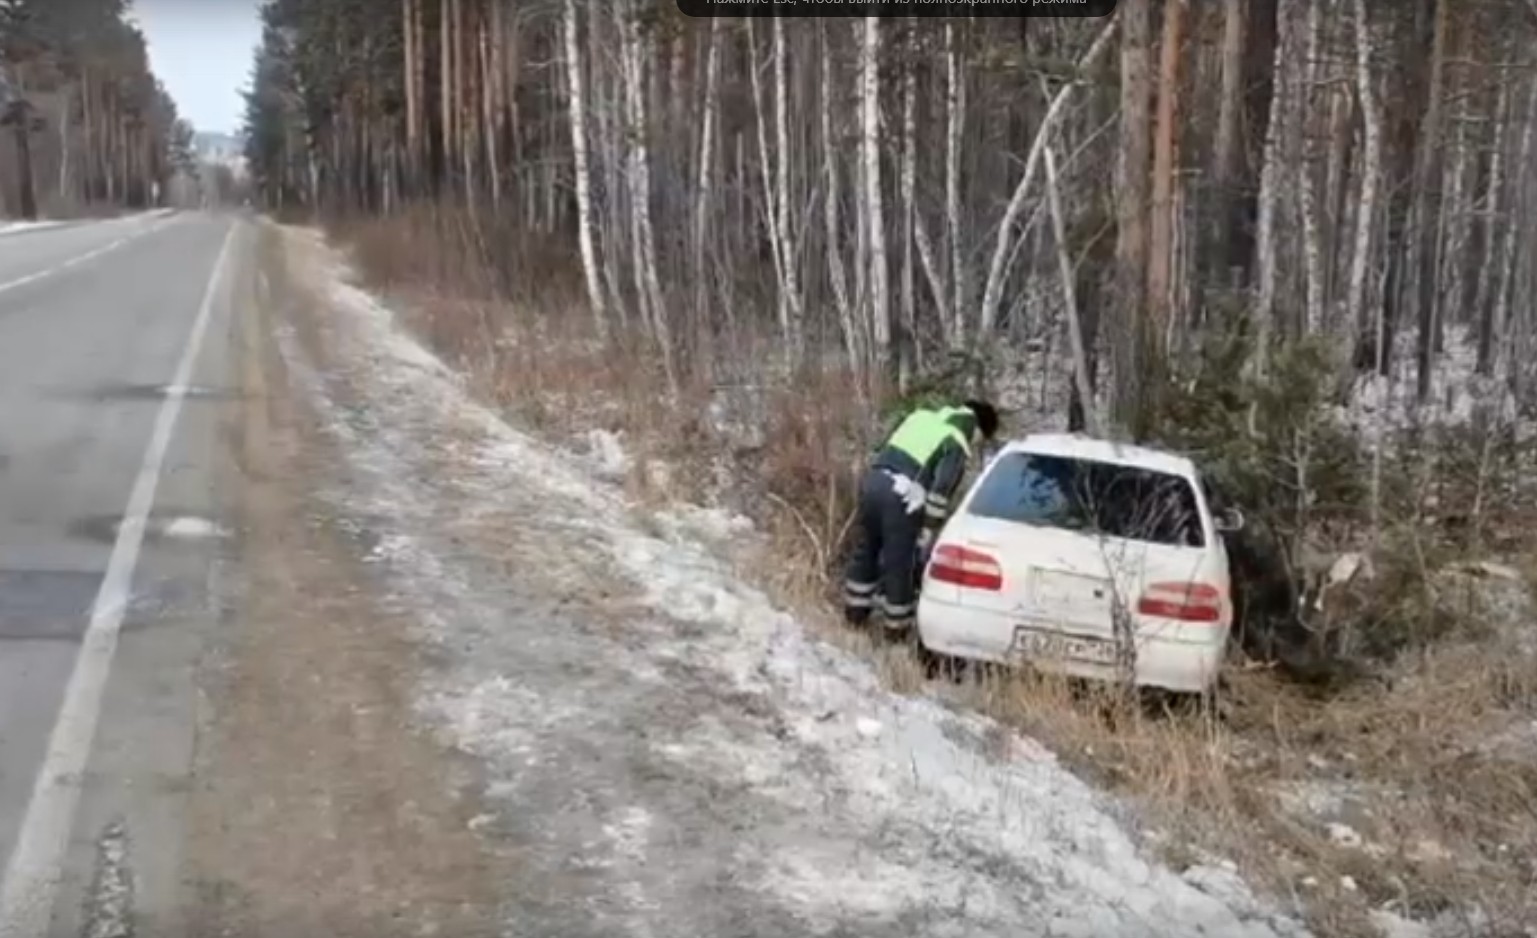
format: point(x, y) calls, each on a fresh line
point(37, 860)
point(78, 259)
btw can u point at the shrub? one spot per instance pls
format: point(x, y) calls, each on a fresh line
point(1274, 447)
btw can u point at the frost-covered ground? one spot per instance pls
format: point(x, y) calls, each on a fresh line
point(1457, 391)
point(666, 753)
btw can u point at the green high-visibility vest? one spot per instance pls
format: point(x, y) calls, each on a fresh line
point(924, 431)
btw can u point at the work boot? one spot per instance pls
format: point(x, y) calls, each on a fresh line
point(898, 630)
point(856, 615)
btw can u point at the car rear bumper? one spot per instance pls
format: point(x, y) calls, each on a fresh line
point(981, 635)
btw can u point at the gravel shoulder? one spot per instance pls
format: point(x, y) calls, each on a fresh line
point(319, 808)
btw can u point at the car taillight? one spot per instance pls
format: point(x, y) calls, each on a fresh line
point(1187, 602)
point(963, 566)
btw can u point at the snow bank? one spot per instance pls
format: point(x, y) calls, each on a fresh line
point(847, 806)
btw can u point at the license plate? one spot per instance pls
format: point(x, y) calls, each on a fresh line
point(1034, 643)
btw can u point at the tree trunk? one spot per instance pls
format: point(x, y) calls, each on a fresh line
point(880, 298)
point(705, 177)
point(1520, 183)
point(1312, 231)
point(1456, 208)
point(489, 111)
point(636, 52)
point(21, 115)
point(1131, 186)
point(911, 355)
point(788, 249)
point(409, 56)
point(577, 100)
point(1335, 212)
point(836, 272)
point(446, 78)
point(1275, 178)
point(1423, 260)
point(1160, 267)
point(955, 122)
point(1494, 226)
point(1083, 384)
point(1366, 210)
point(1224, 214)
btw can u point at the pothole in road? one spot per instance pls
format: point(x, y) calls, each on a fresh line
point(44, 605)
point(162, 527)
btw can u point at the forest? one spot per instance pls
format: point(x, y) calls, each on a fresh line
point(883, 187)
point(84, 123)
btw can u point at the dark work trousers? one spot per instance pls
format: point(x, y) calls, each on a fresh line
point(885, 556)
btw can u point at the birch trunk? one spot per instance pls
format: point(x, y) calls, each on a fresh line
point(768, 174)
point(880, 297)
point(1312, 233)
point(704, 182)
point(409, 55)
point(66, 117)
point(955, 122)
point(788, 253)
point(488, 108)
point(638, 50)
point(576, 96)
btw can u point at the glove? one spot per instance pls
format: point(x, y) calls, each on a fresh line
point(911, 493)
point(926, 540)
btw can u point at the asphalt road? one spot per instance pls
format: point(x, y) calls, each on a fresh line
point(114, 359)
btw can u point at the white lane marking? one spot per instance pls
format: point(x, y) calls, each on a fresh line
point(37, 859)
point(80, 258)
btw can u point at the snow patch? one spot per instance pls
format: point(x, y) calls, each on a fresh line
point(1394, 926)
point(608, 454)
point(191, 527)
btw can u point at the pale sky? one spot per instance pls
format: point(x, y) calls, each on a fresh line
point(201, 50)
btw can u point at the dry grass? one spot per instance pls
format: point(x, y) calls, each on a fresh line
point(1426, 820)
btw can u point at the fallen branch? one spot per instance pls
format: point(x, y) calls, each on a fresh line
point(1070, 300)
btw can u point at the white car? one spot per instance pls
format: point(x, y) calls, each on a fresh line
point(1063, 535)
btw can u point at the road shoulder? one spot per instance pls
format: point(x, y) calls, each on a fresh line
point(318, 808)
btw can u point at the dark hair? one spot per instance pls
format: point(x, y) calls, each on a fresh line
point(987, 417)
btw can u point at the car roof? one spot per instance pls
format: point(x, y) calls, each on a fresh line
point(1078, 446)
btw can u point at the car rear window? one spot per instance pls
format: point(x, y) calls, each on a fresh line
point(1086, 495)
